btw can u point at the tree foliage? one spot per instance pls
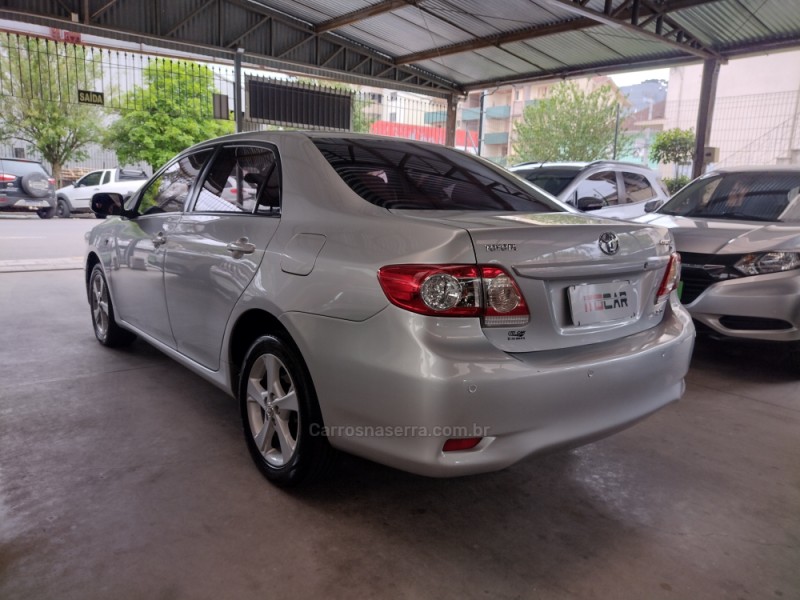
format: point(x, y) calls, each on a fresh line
point(673, 146)
point(40, 80)
point(570, 125)
point(172, 110)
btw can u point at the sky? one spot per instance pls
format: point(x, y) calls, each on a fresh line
point(634, 77)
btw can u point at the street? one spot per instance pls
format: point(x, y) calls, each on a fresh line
point(124, 475)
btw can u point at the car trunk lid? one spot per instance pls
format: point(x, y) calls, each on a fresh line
point(584, 279)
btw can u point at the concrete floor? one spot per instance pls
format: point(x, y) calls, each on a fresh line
point(122, 475)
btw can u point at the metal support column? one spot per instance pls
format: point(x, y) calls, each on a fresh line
point(705, 114)
point(237, 90)
point(450, 126)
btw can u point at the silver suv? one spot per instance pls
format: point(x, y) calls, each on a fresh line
point(26, 187)
point(608, 188)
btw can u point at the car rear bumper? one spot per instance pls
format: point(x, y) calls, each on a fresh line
point(762, 307)
point(394, 388)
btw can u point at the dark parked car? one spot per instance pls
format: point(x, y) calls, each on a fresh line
point(25, 186)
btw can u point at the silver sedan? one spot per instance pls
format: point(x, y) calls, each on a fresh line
point(402, 301)
point(738, 233)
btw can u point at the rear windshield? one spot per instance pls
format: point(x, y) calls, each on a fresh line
point(397, 174)
point(20, 168)
point(766, 196)
point(553, 181)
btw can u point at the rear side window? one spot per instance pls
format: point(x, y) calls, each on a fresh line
point(637, 187)
point(553, 181)
point(243, 179)
point(397, 174)
point(21, 168)
point(601, 186)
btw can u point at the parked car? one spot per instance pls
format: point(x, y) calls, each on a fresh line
point(738, 233)
point(402, 301)
point(26, 187)
point(608, 188)
point(77, 197)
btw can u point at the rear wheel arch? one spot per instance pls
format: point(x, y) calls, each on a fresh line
point(91, 261)
point(250, 326)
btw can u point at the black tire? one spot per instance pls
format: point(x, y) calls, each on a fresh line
point(285, 440)
point(96, 216)
point(105, 327)
point(46, 213)
point(794, 359)
point(62, 209)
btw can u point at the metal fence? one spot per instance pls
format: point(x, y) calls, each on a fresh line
point(757, 129)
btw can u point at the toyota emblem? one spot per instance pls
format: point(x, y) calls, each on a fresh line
point(609, 243)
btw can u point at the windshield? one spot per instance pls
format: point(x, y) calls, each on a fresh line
point(397, 174)
point(553, 181)
point(766, 196)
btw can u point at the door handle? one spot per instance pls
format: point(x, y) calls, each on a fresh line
point(241, 247)
point(159, 240)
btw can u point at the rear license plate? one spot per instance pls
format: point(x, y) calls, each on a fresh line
point(602, 302)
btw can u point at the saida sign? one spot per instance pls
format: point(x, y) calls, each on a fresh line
point(87, 97)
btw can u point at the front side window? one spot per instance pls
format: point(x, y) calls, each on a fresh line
point(242, 179)
point(397, 174)
point(637, 187)
point(91, 179)
point(169, 190)
point(600, 186)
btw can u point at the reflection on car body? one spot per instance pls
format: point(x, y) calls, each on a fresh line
point(402, 301)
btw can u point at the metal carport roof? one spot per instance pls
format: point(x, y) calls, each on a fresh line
point(437, 46)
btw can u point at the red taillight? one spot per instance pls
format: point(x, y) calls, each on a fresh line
point(456, 291)
point(671, 277)
point(234, 190)
point(52, 181)
point(460, 444)
point(7, 177)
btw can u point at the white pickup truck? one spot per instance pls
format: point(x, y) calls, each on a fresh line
point(77, 197)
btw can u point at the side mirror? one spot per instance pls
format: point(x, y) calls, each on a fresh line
point(104, 205)
point(589, 203)
point(652, 205)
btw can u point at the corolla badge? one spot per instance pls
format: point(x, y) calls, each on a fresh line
point(609, 242)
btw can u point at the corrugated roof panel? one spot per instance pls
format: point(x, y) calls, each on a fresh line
point(531, 55)
point(403, 32)
point(471, 66)
point(312, 12)
point(731, 24)
point(510, 59)
point(627, 43)
point(574, 48)
point(722, 22)
point(489, 18)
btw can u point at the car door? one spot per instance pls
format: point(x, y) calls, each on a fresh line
point(218, 244)
point(85, 188)
point(143, 242)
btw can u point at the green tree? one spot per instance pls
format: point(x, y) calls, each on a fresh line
point(172, 110)
point(42, 79)
point(674, 146)
point(570, 125)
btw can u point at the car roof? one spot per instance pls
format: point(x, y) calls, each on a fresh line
point(579, 165)
point(755, 169)
point(25, 160)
